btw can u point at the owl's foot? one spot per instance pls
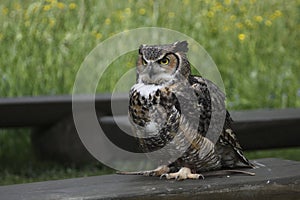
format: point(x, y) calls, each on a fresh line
point(156, 172)
point(182, 174)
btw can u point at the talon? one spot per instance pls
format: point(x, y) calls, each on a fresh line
point(178, 178)
point(151, 173)
point(200, 176)
point(163, 175)
point(168, 176)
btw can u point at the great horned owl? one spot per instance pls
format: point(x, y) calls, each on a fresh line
point(162, 111)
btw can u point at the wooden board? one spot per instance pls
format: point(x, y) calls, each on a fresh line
point(254, 128)
point(274, 179)
point(47, 110)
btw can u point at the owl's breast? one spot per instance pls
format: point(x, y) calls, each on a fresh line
point(151, 109)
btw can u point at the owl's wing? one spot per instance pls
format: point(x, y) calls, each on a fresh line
point(211, 103)
point(212, 100)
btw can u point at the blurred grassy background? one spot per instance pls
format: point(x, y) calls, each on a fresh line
point(255, 45)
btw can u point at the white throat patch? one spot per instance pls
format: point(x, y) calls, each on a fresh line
point(145, 90)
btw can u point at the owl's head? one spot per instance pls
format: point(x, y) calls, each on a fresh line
point(159, 64)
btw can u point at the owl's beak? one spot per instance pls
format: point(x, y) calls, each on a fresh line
point(152, 70)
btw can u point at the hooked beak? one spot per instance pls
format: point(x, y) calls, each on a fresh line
point(152, 71)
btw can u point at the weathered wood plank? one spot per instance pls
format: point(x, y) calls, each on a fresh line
point(274, 179)
point(265, 129)
point(252, 127)
point(42, 110)
point(256, 129)
point(47, 110)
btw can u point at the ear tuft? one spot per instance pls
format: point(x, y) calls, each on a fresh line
point(140, 48)
point(181, 46)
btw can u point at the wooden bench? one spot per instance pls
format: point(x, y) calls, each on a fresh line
point(275, 179)
point(258, 129)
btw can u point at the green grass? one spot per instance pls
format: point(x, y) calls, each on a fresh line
point(288, 153)
point(255, 45)
point(19, 164)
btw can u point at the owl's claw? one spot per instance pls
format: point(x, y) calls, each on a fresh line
point(182, 174)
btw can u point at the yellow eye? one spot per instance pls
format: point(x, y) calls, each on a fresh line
point(144, 62)
point(164, 61)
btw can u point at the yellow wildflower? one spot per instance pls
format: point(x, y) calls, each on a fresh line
point(121, 16)
point(218, 6)
point(277, 13)
point(17, 6)
point(4, 11)
point(107, 21)
point(239, 25)
point(26, 15)
point(171, 14)
point(210, 14)
point(128, 11)
point(98, 36)
point(53, 3)
point(227, 2)
point(46, 7)
point(258, 18)
point(60, 5)
point(142, 11)
point(268, 23)
point(225, 28)
point(232, 17)
point(72, 6)
point(241, 36)
point(243, 9)
point(51, 22)
point(130, 64)
point(249, 23)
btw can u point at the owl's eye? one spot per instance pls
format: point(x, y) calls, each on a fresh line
point(164, 61)
point(144, 62)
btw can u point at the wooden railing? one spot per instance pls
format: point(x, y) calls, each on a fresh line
point(256, 129)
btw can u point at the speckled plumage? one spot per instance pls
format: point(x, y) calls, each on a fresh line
point(168, 105)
